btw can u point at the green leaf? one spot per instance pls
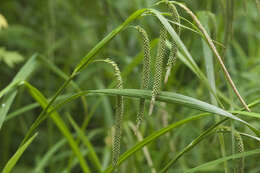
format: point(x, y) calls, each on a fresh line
point(170, 97)
point(92, 154)
point(10, 57)
point(192, 145)
point(9, 92)
point(12, 162)
point(5, 106)
point(27, 108)
point(208, 56)
point(44, 160)
point(87, 59)
point(218, 161)
point(184, 54)
point(39, 97)
point(22, 75)
point(152, 138)
point(249, 114)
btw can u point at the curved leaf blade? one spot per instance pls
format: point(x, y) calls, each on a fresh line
point(12, 162)
point(151, 138)
point(87, 59)
point(170, 97)
point(9, 92)
point(218, 161)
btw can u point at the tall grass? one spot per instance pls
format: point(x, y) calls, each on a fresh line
point(193, 91)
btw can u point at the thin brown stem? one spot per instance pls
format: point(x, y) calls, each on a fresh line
point(258, 5)
point(213, 48)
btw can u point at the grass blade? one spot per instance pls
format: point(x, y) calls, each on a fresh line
point(23, 74)
point(87, 59)
point(170, 97)
point(192, 145)
point(12, 162)
point(208, 57)
point(214, 50)
point(250, 114)
point(164, 96)
point(92, 154)
point(218, 161)
point(205, 19)
point(84, 62)
point(145, 149)
point(39, 97)
point(151, 138)
point(44, 160)
point(187, 58)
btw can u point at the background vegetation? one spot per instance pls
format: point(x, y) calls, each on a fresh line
point(41, 44)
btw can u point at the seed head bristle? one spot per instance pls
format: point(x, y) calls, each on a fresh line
point(118, 130)
point(158, 67)
point(146, 71)
point(116, 72)
point(239, 147)
point(119, 114)
point(174, 49)
point(147, 58)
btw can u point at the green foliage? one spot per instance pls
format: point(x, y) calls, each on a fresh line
point(12, 162)
point(217, 48)
point(10, 57)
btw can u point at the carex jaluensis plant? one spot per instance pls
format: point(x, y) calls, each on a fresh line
point(173, 53)
point(239, 148)
point(161, 52)
point(146, 71)
point(51, 105)
point(158, 67)
point(119, 111)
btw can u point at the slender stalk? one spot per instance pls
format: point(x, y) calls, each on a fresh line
point(213, 48)
point(202, 136)
point(258, 6)
point(145, 149)
point(43, 114)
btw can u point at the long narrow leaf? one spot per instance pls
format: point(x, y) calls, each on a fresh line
point(86, 60)
point(151, 138)
point(39, 97)
point(170, 97)
point(218, 161)
point(44, 160)
point(192, 145)
point(10, 92)
point(92, 154)
point(12, 162)
point(187, 58)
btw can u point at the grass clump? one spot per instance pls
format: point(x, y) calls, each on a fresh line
point(197, 103)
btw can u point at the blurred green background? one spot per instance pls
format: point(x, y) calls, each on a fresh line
point(62, 32)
